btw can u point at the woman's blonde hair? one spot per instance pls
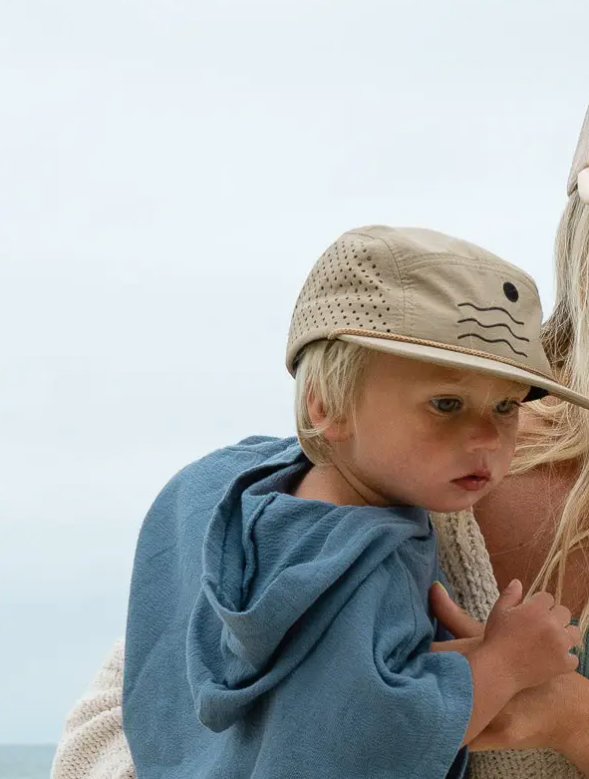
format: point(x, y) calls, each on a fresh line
point(331, 371)
point(558, 432)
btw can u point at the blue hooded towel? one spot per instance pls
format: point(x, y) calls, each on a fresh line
point(271, 637)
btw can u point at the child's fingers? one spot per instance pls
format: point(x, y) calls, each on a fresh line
point(561, 613)
point(463, 645)
point(458, 622)
point(575, 635)
point(510, 596)
point(544, 599)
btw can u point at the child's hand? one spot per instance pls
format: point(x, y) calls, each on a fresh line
point(463, 645)
point(469, 633)
point(532, 638)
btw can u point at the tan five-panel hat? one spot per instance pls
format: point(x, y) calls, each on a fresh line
point(579, 175)
point(424, 295)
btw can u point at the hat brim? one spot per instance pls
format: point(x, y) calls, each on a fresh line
point(540, 386)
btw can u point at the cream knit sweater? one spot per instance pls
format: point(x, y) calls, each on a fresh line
point(93, 745)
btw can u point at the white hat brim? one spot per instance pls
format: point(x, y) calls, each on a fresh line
point(465, 361)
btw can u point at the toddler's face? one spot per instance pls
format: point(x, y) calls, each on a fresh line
point(429, 436)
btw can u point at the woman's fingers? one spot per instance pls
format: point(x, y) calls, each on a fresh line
point(458, 622)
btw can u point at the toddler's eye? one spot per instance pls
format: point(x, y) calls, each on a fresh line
point(506, 407)
point(446, 405)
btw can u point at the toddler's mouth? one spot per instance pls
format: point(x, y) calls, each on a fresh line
point(474, 481)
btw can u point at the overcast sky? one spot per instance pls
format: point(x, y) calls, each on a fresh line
point(169, 172)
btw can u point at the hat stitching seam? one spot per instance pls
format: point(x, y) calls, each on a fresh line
point(489, 265)
point(404, 281)
point(426, 256)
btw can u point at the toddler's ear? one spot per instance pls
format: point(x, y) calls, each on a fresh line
point(333, 430)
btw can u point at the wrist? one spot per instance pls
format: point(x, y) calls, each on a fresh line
point(493, 688)
point(571, 737)
point(499, 666)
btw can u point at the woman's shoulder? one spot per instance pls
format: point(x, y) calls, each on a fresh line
point(542, 488)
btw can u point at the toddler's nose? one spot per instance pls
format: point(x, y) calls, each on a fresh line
point(484, 434)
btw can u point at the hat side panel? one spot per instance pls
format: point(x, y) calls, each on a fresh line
point(354, 284)
point(480, 307)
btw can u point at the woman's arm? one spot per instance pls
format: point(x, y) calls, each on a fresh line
point(555, 715)
point(93, 745)
point(575, 746)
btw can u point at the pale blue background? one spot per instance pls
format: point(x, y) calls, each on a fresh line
point(169, 171)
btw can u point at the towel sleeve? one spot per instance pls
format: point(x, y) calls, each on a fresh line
point(369, 699)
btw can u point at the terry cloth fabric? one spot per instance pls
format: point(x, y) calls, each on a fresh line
point(270, 636)
point(93, 745)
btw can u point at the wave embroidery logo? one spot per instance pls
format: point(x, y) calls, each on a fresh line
point(489, 326)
